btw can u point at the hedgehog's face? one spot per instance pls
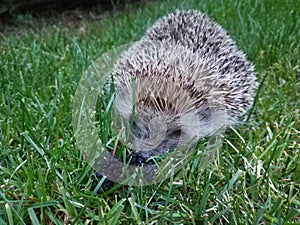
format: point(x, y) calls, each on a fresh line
point(159, 114)
point(154, 131)
point(153, 124)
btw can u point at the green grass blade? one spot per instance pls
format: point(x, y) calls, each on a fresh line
point(33, 218)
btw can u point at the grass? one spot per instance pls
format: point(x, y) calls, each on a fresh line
point(43, 176)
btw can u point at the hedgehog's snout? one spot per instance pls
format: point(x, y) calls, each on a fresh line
point(156, 133)
point(140, 131)
point(147, 130)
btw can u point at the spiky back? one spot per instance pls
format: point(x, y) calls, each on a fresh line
point(234, 75)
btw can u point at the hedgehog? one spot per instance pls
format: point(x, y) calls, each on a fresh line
point(189, 80)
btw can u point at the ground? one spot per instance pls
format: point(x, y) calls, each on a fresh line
point(44, 179)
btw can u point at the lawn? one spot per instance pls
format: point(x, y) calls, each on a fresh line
point(44, 178)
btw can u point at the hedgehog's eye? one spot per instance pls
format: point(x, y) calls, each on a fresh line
point(175, 134)
point(170, 142)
